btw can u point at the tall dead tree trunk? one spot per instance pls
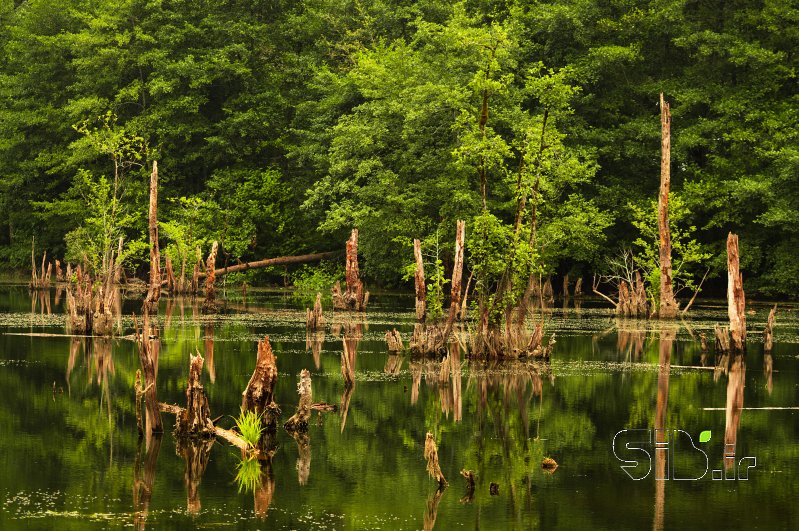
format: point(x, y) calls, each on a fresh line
point(209, 304)
point(354, 298)
point(457, 274)
point(259, 393)
point(668, 305)
point(421, 293)
point(736, 302)
point(154, 291)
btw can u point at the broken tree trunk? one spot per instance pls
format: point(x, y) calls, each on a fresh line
point(736, 303)
point(394, 341)
point(59, 274)
point(431, 455)
point(299, 421)
point(154, 291)
point(668, 305)
point(457, 274)
point(209, 304)
point(148, 367)
point(315, 320)
point(259, 394)
point(269, 262)
point(195, 420)
point(354, 297)
point(768, 333)
point(421, 294)
point(578, 287)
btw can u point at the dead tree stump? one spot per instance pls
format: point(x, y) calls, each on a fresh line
point(394, 341)
point(578, 287)
point(154, 290)
point(315, 320)
point(299, 421)
point(259, 393)
point(768, 333)
point(668, 305)
point(431, 455)
point(418, 277)
point(195, 420)
point(209, 304)
point(736, 303)
point(354, 297)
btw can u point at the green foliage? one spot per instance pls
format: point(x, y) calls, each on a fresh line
point(688, 255)
point(310, 280)
point(250, 427)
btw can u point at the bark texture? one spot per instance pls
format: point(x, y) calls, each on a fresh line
point(668, 305)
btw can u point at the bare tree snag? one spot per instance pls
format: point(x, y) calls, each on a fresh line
point(457, 274)
point(768, 333)
point(315, 320)
point(195, 420)
point(148, 362)
point(431, 455)
point(668, 305)
point(354, 298)
point(299, 421)
point(154, 291)
point(209, 304)
point(394, 341)
point(259, 394)
point(421, 293)
point(736, 303)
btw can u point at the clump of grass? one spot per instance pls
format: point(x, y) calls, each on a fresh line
point(250, 427)
point(248, 474)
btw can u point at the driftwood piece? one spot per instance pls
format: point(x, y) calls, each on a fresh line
point(315, 320)
point(354, 297)
point(431, 455)
point(154, 289)
point(299, 421)
point(418, 277)
point(259, 393)
point(148, 362)
point(195, 420)
point(768, 333)
point(394, 341)
point(210, 304)
point(736, 302)
point(668, 305)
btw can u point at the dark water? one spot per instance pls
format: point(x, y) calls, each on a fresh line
point(71, 457)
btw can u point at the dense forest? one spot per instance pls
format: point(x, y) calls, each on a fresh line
point(279, 125)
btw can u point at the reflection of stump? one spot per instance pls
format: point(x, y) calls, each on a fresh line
point(143, 481)
point(394, 341)
point(259, 394)
point(196, 453)
point(431, 511)
point(299, 421)
point(303, 457)
point(195, 420)
point(265, 490)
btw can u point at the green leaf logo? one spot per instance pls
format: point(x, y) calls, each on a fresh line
point(704, 436)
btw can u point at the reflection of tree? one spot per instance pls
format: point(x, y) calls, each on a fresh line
point(735, 403)
point(143, 480)
point(630, 338)
point(768, 369)
point(303, 441)
point(313, 342)
point(265, 490)
point(667, 336)
point(209, 351)
point(196, 453)
point(431, 510)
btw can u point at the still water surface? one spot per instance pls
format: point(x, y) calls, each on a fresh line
point(71, 457)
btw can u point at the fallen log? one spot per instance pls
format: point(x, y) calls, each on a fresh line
point(267, 262)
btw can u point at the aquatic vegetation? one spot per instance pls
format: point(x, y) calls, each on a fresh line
point(250, 427)
point(248, 474)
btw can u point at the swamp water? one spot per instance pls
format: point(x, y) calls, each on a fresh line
point(72, 459)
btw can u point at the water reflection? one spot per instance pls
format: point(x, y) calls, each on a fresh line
point(431, 509)
point(196, 453)
point(144, 479)
point(667, 337)
point(736, 378)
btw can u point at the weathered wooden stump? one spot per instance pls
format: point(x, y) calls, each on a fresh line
point(394, 341)
point(195, 420)
point(354, 298)
point(299, 421)
point(258, 396)
point(315, 320)
point(210, 305)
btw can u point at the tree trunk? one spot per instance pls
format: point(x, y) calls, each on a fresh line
point(209, 304)
point(668, 305)
point(736, 303)
point(258, 396)
point(195, 420)
point(421, 294)
point(457, 274)
point(154, 291)
point(299, 421)
point(354, 298)
point(269, 262)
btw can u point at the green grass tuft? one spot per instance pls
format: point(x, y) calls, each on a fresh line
point(250, 427)
point(248, 474)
